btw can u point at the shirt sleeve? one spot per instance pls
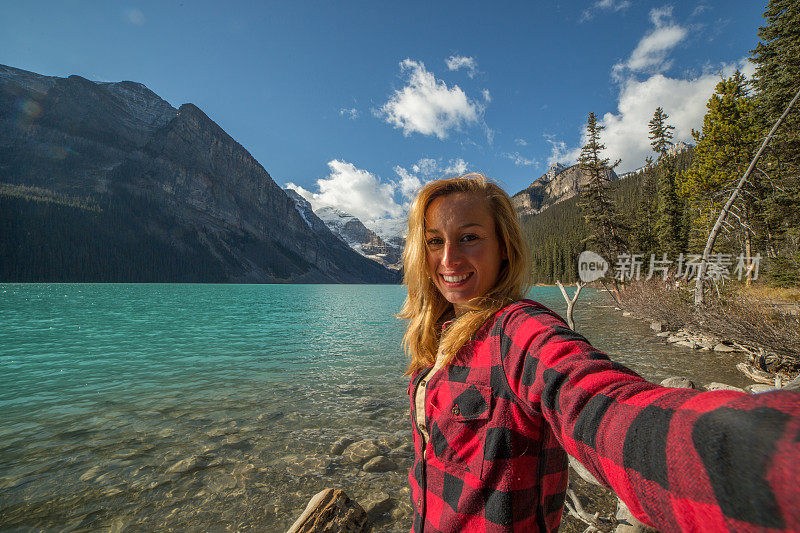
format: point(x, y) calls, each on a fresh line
point(680, 459)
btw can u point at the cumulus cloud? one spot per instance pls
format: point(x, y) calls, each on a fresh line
point(424, 170)
point(459, 62)
point(520, 160)
point(378, 203)
point(353, 190)
point(650, 55)
point(604, 5)
point(456, 167)
point(429, 168)
point(349, 112)
point(427, 105)
point(626, 130)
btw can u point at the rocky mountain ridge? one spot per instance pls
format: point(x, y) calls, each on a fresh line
point(177, 199)
point(558, 184)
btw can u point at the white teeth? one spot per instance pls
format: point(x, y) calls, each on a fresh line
point(455, 279)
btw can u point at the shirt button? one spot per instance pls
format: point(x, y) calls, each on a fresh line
point(423, 382)
point(456, 410)
point(422, 427)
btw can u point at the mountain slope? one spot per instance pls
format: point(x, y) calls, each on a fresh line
point(123, 178)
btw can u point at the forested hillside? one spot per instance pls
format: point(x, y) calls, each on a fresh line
point(559, 234)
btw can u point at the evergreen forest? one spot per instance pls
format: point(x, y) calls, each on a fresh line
point(672, 204)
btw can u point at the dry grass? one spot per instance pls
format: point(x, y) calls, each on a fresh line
point(772, 294)
point(747, 317)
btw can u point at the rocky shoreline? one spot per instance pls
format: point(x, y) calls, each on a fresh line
point(753, 367)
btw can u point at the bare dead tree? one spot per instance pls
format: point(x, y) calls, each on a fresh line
point(701, 269)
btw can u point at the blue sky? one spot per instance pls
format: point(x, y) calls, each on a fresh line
point(356, 103)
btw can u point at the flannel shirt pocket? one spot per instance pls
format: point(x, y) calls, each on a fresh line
point(460, 413)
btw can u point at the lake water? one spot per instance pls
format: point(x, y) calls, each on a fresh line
point(215, 407)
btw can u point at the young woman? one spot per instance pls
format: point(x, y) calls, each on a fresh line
point(502, 390)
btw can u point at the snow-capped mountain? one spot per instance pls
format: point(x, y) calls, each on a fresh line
point(359, 237)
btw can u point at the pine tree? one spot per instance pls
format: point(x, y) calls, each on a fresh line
point(598, 208)
point(644, 217)
point(668, 221)
point(777, 79)
point(725, 146)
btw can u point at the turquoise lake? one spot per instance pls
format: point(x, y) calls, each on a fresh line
point(216, 407)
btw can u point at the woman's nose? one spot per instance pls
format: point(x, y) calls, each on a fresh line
point(450, 254)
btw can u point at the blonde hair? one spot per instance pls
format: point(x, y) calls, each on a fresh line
point(425, 308)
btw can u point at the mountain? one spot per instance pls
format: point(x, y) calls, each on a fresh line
point(351, 231)
point(360, 238)
point(109, 182)
point(558, 184)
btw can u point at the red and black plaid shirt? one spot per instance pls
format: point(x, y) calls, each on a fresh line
point(528, 390)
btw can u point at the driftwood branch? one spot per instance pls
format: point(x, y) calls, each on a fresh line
point(570, 301)
point(576, 509)
point(701, 269)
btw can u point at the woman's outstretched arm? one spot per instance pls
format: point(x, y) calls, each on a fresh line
point(680, 459)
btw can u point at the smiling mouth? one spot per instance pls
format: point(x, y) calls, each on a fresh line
point(456, 280)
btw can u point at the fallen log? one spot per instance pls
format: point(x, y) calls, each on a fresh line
point(758, 375)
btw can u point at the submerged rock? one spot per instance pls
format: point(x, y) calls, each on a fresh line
point(378, 504)
point(362, 451)
point(340, 445)
point(380, 463)
point(190, 464)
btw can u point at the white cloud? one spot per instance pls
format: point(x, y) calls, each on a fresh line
point(626, 133)
point(426, 166)
point(378, 203)
point(349, 112)
point(353, 190)
point(520, 142)
point(608, 5)
point(486, 95)
point(456, 167)
point(520, 160)
point(409, 184)
point(424, 170)
point(650, 55)
point(427, 106)
point(429, 168)
point(459, 62)
point(559, 152)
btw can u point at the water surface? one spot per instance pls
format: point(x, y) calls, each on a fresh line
point(215, 407)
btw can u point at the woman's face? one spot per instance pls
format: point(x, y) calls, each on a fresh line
point(463, 252)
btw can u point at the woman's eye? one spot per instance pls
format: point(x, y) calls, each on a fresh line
point(469, 237)
point(435, 241)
